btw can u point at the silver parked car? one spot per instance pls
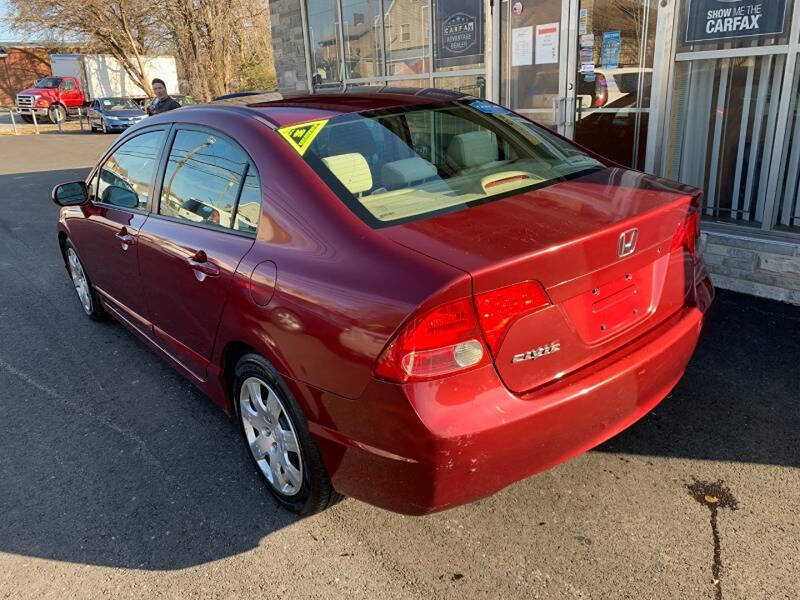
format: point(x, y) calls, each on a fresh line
point(114, 114)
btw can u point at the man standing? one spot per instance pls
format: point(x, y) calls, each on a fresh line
point(163, 101)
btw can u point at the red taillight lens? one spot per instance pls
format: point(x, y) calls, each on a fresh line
point(687, 234)
point(499, 308)
point(442, 341)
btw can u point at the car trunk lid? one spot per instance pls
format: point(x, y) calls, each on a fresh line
point(599, 245)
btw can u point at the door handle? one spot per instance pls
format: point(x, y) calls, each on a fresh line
point(201, 265)
point(125, 238)
point(570, 102)
point(559, 110)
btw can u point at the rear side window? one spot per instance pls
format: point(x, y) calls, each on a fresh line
point(249, 206)
point(204, 177)
point(125, 179)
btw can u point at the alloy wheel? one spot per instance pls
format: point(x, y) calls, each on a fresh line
point(271, 436)
point(79, 280)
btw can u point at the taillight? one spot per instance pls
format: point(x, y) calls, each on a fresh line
point(499, 308)
point(442, 341)
point(600, 91)
point(215, 217)
point(688, 233)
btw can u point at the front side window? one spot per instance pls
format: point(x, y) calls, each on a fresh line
point(405, 164)
point(125, 180)
point(203, 177)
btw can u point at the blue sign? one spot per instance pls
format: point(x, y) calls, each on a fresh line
point(610, 49)
point(709, 20)
point(459, 32)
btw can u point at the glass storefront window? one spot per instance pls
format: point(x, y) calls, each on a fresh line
point(706, 25)
point(724, 118)
point(407, 36)
point(412, 85)
point(788, 200)
point(475, 85)
point(528, 85)
point(614, 78)
point(323, 37)
point(361, 20)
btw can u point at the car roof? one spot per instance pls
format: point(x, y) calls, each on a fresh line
point(289, 109)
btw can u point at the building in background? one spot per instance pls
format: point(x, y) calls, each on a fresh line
point(20, 65)
point(700, 91)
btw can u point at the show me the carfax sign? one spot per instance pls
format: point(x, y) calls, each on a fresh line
point(710, 20)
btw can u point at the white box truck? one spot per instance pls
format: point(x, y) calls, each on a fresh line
point(102, 75)
point(78, 79)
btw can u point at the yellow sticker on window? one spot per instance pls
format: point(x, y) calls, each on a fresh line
point(301, 136)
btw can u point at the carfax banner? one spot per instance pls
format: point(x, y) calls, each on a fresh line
point(459, 32)
point(710, 20)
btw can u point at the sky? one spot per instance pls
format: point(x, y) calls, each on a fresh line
point(6, 33)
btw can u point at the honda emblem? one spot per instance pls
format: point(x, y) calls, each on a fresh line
point(627, 242)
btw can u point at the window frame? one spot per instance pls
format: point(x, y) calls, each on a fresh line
point(162, 169)
point(153, 179)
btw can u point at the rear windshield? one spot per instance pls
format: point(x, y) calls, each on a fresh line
point(394, 166)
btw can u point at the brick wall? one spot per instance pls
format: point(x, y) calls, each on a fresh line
point(22, 67)
point(761, 267)
point(287, 45)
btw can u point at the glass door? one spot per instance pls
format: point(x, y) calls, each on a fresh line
point(534, 61)
point(613, 66)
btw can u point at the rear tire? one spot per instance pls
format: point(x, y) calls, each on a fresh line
point(275, 433)
point(83, 285)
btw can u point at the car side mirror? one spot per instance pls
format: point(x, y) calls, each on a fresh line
point(74, 193)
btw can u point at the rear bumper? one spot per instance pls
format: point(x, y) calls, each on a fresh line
point(422, 448)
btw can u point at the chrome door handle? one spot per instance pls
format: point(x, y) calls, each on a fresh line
point(125, 238)
point(201, 265)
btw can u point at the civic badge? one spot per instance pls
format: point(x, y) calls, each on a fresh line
point(627, 242)
point(535, 353)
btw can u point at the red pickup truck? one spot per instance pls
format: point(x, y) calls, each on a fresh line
point(51, 97)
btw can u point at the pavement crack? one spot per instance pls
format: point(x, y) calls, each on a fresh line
point(714, 495)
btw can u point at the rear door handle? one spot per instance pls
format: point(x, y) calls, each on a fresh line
point(125, 238)
point(201, 265)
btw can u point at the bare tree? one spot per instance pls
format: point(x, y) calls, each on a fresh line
point(220, 45)
point(126, 29)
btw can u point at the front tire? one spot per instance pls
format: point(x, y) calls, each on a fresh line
point(57, 114)
point(83, 285)
point(275, 432)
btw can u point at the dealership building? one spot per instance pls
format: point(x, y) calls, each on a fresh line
point(700, 91)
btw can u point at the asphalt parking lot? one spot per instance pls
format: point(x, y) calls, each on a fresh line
point(118, 478)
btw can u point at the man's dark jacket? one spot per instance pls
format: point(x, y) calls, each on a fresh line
point(164, 105)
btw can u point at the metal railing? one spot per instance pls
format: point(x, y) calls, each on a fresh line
point(15, 111)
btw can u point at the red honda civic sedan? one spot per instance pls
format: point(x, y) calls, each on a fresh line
point(414, 299)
